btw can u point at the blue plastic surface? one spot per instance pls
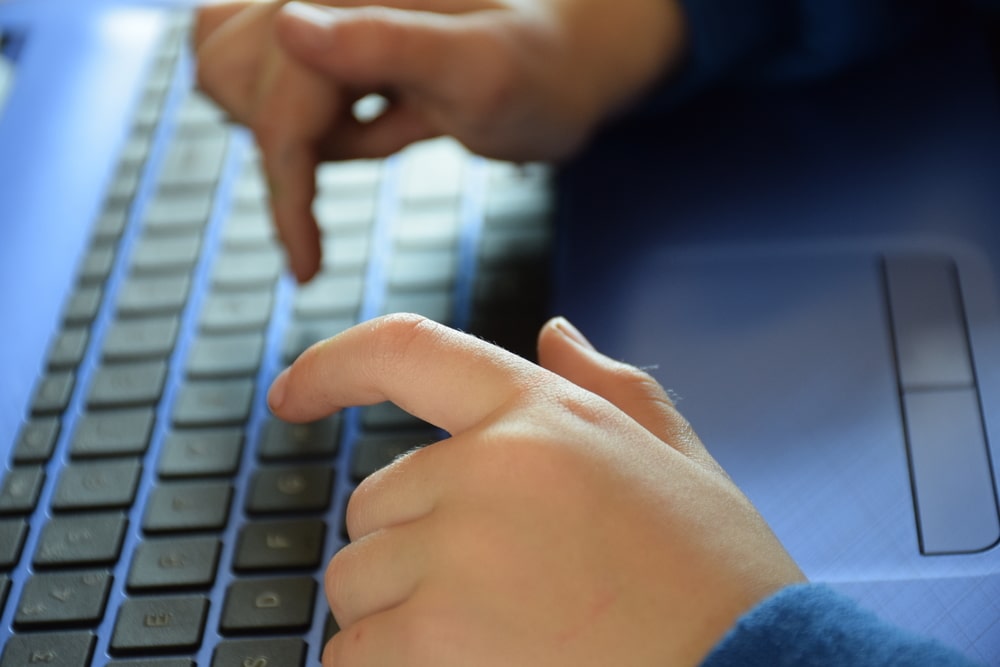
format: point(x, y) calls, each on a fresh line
point(735, 248)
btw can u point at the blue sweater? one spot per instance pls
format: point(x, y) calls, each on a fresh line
point(743, 42)
point(773, 41)
point(812, 626)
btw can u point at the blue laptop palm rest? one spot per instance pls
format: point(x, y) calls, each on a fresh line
point(812, 270)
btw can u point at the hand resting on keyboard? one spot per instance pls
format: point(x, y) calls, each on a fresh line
point(573, 520)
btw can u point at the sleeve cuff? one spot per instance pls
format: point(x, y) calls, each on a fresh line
point(810, 625)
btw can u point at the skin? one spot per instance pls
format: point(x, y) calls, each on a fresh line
point(572, 518)
point(510, 79)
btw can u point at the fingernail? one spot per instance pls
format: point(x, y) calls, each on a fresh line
point(564, 327)
point(276, 394)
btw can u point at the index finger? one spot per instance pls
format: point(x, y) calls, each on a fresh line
point(447, 378)
point(209, 18)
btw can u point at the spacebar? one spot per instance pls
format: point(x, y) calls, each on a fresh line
point(952, 482)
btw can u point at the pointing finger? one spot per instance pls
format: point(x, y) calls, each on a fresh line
point(210, 18)
point(449, 379)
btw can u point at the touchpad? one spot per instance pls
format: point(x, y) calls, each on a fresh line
point(786, 365)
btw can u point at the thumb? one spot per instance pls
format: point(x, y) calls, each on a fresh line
point(563, 350)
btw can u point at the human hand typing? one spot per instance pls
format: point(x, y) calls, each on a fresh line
point(573, 518)
point(510, 79)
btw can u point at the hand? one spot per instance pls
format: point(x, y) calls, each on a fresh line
point(510, 79)
point(573, 518)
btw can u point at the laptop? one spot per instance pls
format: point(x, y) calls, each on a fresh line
point(811, 270)
point(151, 510)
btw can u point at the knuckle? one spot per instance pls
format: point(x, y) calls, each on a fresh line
point(357, 506)
point(348, 646)
point(499, 83)
point(582, 406)
point(641, 384)
point(366, 43)
point(393, 336)
point(334, 578)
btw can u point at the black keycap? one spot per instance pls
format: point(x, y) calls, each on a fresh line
point(179, 212)
point(247, 228)
point(199, 115)
point(346, 253)
point(329, 297)
point(220, 356)
point(301, 335)
point(226, 312)
point(4, 589)
point(280, 545)
point(159, 624)
point(174, 507)
point(20, 489)
point(257, 605)
point(37, 440)
point(290, 489)
point(284, 441)
point(111, 222)
point(83, 305)
point(166, 662)
point(246, 269)
point(423, 270)
point(147, 338)
point(390, 417)
point(97, 485)
point(51, 649)
point(81, 539)
point(283, 652)
point(166, 254)
point(375, 451)
point(12, 534)
point(160, 295)
point(438, 305)
point(117, 433)
point(53, 393)
point(194, 163)
point(63, 598)
point(97, 263)
point(213, 403)
point(174, 563)
point(68, 348)
point(201, 453)
point(127, 385)
point(126, 180)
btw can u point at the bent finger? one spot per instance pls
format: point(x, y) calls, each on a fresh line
point(447, 378)
point(381, 47)
point(293, 111)
point(374, 641)
point(231, 56)
point(209, 18)
point(394, 129)
point(563, 350)
point(375, 572)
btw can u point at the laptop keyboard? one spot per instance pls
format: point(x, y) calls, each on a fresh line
point(151, 511)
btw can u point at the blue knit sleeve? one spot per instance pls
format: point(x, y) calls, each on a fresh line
point(810, 625)
point(735, 42)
